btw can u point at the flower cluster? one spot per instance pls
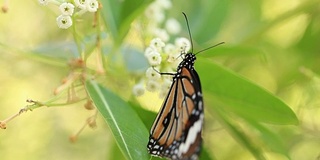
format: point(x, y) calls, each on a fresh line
point(164, 52)
point(161, 58)
point(64, 20)
point(155, 13)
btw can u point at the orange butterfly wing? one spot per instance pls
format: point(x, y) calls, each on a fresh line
point(176, 132)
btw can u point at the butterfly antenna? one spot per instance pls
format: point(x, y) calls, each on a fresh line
point(209, 47)
point(185, 16)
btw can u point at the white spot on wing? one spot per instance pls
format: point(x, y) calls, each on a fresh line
point(156, 146)
point(200, 105)
point(193, 131)
point(193, 96)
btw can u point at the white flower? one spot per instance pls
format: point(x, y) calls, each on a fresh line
point(173, 26)
point(155, 13)
point(165, 4)
point(170, 48)
point(81, 4)
point(183, 44)
point(148, 51)
point(154, 58)
point(92, 5)
point(152, 85)
point(64, 21)
point(162, 34)
point(152, 74)
point(157, 43)
point(44, 2)
point(173, 54)
point(166, 83)
point(165, 87)
point(138, 89)
point(159, 17)
point(66, 8)
point(163, 93)
point(173, 57)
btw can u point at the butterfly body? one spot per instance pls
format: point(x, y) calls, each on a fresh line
point(176, 132)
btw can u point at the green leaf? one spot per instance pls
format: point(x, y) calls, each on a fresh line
point(232, 51)
point(242, 138)
point(240, 96)
point(146, 116)
point(118, 15)
point(205, 155)
point(128, 130)
point(116, 152)
point(271, 139)
point(210, 13)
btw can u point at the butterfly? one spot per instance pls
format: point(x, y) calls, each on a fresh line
point(176, 131)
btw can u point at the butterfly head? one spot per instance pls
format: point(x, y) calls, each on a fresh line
point(188, 61)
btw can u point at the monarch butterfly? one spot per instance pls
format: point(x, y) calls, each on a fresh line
point(176, 131)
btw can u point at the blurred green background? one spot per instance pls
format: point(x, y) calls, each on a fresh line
point(275, 44)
